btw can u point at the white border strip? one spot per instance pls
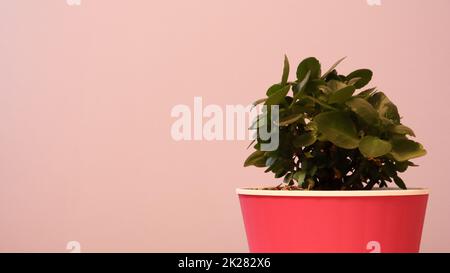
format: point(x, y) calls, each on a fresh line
point(376, 192)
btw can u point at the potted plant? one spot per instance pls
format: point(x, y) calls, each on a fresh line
point(340, 147)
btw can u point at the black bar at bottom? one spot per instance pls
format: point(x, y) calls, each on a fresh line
point(222, 262)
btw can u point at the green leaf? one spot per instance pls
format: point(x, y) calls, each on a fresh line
point(304, 140)
point(364, 74)
point(324, 88)
point(389, 169)
point(399, 182)
point(285, 76)
point(335, 85)
point(260, 163)
point(366, 93)
point(338, 127)
point(299, 176)
point(353, 81)
point(290, 119)
point(363, 109)
point(278, 96)
point(406, 149)
point(298, 108)
point(371, 147)
point(288, 178)
point(255, 158)
point(333, 67)
point(402, 130)
point(309, 64)
point(402, 166)
point(342, 94)
point(270, 161)
point(301, 87)
point(315, 86)
point(273, 89)
point(384, 106)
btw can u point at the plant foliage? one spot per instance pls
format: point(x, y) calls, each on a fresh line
point(333, 135)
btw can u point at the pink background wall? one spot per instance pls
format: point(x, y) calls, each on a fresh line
point(86, 93)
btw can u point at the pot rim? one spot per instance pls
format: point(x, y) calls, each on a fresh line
point(347, 193)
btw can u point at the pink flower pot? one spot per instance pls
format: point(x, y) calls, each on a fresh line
point(333, 221)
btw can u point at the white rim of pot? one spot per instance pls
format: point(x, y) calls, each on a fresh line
point(374, 192)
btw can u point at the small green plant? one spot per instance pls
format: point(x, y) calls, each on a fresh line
point(333, 137)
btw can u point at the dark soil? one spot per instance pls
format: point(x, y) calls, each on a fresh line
point(282, 187)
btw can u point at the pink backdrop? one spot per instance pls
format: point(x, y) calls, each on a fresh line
point(86, 93)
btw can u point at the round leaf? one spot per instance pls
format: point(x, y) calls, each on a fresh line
point(342, 94)
point(338, 127)
point(371, 147)
point(402, 130)
point(304, 140)
point(363, 109)
point(384, 106)
point(273, 89)
point(278, 96)
point(309, 64)
point(405, 149)
point(365, 76)
point(335, 85)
